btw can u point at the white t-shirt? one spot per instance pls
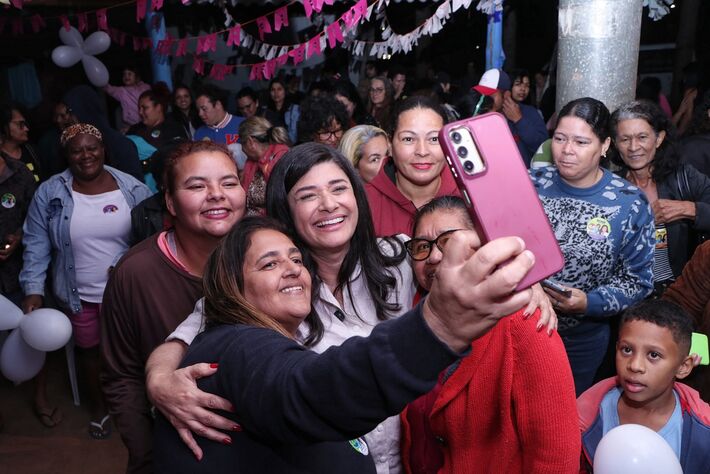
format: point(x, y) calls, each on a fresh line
point(99, 229)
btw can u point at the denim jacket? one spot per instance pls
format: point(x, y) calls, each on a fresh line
point(46, 235)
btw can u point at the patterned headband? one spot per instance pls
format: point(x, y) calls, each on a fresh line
point(77, 129)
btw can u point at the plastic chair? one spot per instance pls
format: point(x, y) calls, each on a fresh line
point(71, 367)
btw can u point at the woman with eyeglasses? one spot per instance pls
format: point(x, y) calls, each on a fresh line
point(323, 120)
point(380, 98)
point(509, 406)
point(15, 134)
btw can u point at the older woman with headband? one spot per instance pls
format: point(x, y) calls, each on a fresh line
point(366, 147)
point(79, 223)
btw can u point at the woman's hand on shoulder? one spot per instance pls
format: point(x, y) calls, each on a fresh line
point(669, 210)
point(540, 300)
point(189, 409)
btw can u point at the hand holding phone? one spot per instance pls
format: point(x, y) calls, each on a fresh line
point(699, 345)
point(556, 287)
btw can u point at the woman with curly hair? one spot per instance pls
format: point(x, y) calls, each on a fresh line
point(679, 194)
point(323, 120)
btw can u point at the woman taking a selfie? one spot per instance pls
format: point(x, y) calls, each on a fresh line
point(604, 227)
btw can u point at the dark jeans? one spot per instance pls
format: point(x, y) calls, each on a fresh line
point(586, 346)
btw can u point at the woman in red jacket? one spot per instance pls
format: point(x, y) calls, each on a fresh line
point(509, 406)
point(417, 171)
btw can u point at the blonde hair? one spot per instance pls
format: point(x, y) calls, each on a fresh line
point(262, 131)
point(356, 138)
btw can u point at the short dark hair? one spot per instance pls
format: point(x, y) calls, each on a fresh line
point(667, 158)
point(414, 102)
point(213, 93)
point(247, 92)
point(364, 249)
point(316, 114)
point(443, 203)
point(158, 94)
point(6, 110)
point(592, 111)
point(664, 314)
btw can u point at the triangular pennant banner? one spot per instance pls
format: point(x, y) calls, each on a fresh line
point(281, 18)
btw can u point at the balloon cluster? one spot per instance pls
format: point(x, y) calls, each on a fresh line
point(75, 49)
point(33, 335)
point(635, 449)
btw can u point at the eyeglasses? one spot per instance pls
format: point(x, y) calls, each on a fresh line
point(377, 90)
point(20, 123)
point(327, 135)
point(420, 249)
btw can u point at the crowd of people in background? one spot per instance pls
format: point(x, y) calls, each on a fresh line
point(199, 236)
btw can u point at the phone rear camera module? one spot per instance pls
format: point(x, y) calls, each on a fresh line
point(456, 137)
point(468, 166)
point(462, 151)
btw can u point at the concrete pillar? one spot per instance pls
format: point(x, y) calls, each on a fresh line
point(598, 48)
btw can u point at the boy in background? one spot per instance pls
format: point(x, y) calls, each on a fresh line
point(652, 352)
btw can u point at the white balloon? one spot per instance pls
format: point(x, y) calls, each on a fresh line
point(95, 71)
point(66, 56)
point(635, 449)
point(19, 361)
point(71, 37)
point(97, 43)
point(46, 329)
point(10, 314)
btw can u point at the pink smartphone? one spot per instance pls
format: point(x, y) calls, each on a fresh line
point(494, 182)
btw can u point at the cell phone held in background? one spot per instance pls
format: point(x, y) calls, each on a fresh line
point(556, 287)
point(494, 182)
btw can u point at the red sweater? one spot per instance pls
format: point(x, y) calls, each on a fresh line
point(508, 408)
point(392, 212)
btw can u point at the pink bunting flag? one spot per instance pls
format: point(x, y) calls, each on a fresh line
point(17, 4)
point(201, 44)
point(211, 42)
point(335, 35)
point(281, 18)
point(81, 22)
point(360, 10)
point(234, 32)
point(257, 72)
point(313, 46)
point(269, 68)
point(113, 34)
point(156, 4)
point(65, 22)
point(136, 43)
point(298, 54)
point(18, 28)
point(164, 46)
point(219, 71)
point(329, 2)
point(37, 23)
point(348, 18)
point(122, 36)
point(282, 60)
point(101, 19)
point(263, 23)
point(317, 5)
point(308, 7)
point(140, 9)
point(181, 48)
point(198, 65)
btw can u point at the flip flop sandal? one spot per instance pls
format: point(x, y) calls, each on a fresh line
point(48, 417)
point(100, 430)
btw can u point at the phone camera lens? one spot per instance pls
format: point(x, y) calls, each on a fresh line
point(468, 166)
point(462, 151)
point(456, 137)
